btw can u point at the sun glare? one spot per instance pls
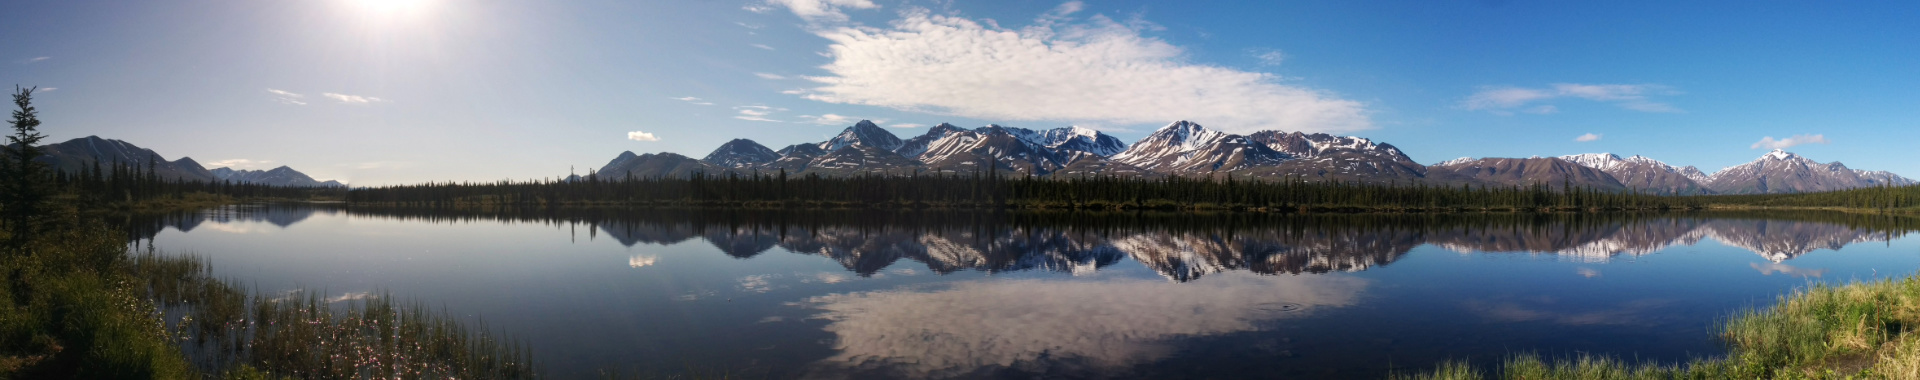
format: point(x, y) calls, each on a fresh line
point(390, 7)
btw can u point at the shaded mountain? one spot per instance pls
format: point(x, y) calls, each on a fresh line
point(81, 153)
point(1553, 172)
point(654, 165)
point(858, 159)
point(1783, 172)
point(1090, 165)
point(280, 176)
point(1642, 173)
point(794, 158)
point(740, 153)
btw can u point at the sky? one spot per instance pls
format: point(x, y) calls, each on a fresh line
point(377, 92)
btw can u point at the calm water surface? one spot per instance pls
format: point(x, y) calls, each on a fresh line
point(977, 295)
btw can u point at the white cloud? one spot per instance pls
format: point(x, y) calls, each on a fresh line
point(1587, 137)
point(769, 76)
point(757, 8)
point(351, 99)
point(794, 91)
point(822, 11)
point(36, 59)
point(1267, 57)
point(762, 46)
point(642, 136)
point(832, 119)
point(45, 89)
point(1502, 99)
point(1059, 69)
point(240, 163)
point(757, 113)
point(694, 100)
point(1769, 143)
point(907, 125)
point(286, 97)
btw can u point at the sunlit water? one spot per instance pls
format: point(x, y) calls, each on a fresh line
point(927, 295)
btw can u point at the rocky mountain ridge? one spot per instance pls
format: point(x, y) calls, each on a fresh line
point(1187, 149)
point(82, 153)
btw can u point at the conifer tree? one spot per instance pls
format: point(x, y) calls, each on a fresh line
point(22, 189)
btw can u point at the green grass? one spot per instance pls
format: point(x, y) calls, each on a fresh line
point(75, 304)
point(304, 335)
point(1862, 330)
point(69, 310)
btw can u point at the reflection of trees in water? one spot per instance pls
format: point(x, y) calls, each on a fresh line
point(281, 215)
point(1181, 246)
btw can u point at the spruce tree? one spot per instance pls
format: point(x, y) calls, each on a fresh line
point(22, 190)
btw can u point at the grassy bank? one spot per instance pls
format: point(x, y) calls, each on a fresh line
point(303, 334)
point(75, 304)
point(1857, 331)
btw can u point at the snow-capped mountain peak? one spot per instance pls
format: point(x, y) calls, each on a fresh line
point(1455, 161)
point(1780, 154)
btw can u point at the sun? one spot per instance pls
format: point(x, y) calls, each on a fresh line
point(390, 7)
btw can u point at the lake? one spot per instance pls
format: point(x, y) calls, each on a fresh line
point(932, 294)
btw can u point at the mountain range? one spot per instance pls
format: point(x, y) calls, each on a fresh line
point(1184, 148)
point(81, 153)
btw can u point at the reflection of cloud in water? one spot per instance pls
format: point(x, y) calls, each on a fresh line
point(1546, 309)
point(1587, 272)
point(828, 277)
point(1101, 325)
point(642, 260)
point(759, 283)
point(351, 296)
point(1769, 269)
point(240, 227)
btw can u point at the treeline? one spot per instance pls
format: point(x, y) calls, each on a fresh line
point(995, 190)
point(1875, 198)
point(120, 183)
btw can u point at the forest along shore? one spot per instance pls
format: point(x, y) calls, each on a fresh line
point(992, 191)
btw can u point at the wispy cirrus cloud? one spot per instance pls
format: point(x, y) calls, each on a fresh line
point(1061, 68)
point(819, 11)
point(832, 119)
point(1587, 137)
point(906, 125)
point(286, 97)
point(352, 99)
point(35, 59)
point(1770, 143)
point(1268, 57)
point(694, 100)
point(770, 76)
point(757, 113)
point(761, 46)
point(642, 136)
point(1504, 100)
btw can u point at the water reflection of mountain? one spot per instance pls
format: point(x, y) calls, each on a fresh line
point(280, 215)
point(1181, 247)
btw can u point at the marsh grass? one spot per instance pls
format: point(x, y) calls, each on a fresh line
point(305, 335)
point(69, 310)
point(1862, 330)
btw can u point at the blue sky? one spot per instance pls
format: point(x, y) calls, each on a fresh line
point(384, 92)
